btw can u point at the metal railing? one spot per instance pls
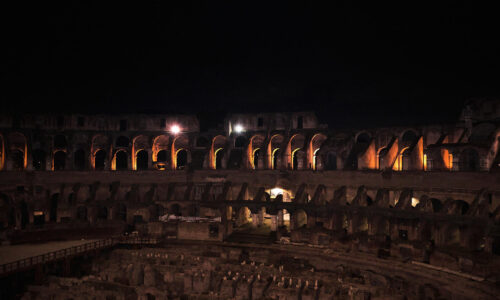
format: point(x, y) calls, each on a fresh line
point(29, 262)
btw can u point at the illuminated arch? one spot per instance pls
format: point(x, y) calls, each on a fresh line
point(139, 143)
point(218, 144)
point(314, 145)
point(19, 149)
point(99, 143)
point(255, 144)
point(180, 142)
point(273, 149)
point(295, 144)
point(120, 160)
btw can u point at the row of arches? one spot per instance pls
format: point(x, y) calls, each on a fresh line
point(297, 152)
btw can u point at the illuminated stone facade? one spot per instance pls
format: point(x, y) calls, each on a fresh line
point(428, 193)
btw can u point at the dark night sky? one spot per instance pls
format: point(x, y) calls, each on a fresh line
point(354, 65)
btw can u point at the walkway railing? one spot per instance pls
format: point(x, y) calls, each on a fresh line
point(29, 262)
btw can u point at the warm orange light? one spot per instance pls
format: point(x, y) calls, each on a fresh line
point(450, 158)
point(425, 162)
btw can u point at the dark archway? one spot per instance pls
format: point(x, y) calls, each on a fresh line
point(121, 160)
point(17, 160)
point(162, 156)
point(275, 158)
point(39, 160)
point(59, 160)
point(60, 142)
point(363, 138)
point(406, 160)
point(24, 215)
point(175, 209)
point(79, 159)
point(102, 213)
point(219, 154)
point(381, 158)
point(100, 159)
point(409, 137)
point(142, 160)
point(256, 155)
point(121, 213)
point(122, 141)
point(182, 159)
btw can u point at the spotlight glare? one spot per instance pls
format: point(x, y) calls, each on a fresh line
point(238, 128)
point(175, 129)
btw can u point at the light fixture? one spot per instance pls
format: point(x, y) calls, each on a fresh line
point(238, 128)
point(175, 129)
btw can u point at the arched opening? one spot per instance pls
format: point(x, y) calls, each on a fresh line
point(240, 142)
point(331, 161)
point(469, 160)
point(275, 158)
point(142, 160)
point(39, 160)
point(17, 160)
point(363, 138)
point(295, 159)
point(122, 142)
point(182, 159)
point(436, 204)
point(219, 154)
point(60, 142)
point(81, 213)
point(79, 159)
point(406, 160)
point(408, 138)
point(121, 160)
point(24, 215)
point(256, 154)
point(381, 158)
point(54, 201)
point(59, 160)
point(38, 218)
point(99, 160)
point(300, 218)
point(161, 160)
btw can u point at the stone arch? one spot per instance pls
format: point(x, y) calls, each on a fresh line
point(314, 145)
point(39, 160)
point(244, 216)
point(18, 151)
point(274, 152)
point(469, 160)
point(99, 160)
point(408, 137)
point(404, 160)
point(120, 160)
point(160, 151)
point(81, 213)
point(59, 160)
point(98, 151)
point(381, 158)
point(180, 149)
point(362, 137)
point(295, 153)
point(140, 159)
point(254, 150)
point(217, 152)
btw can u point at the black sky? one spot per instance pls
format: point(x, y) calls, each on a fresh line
point(356, 65)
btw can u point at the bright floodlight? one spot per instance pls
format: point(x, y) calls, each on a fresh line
point(238, 128)
point(175, 129)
